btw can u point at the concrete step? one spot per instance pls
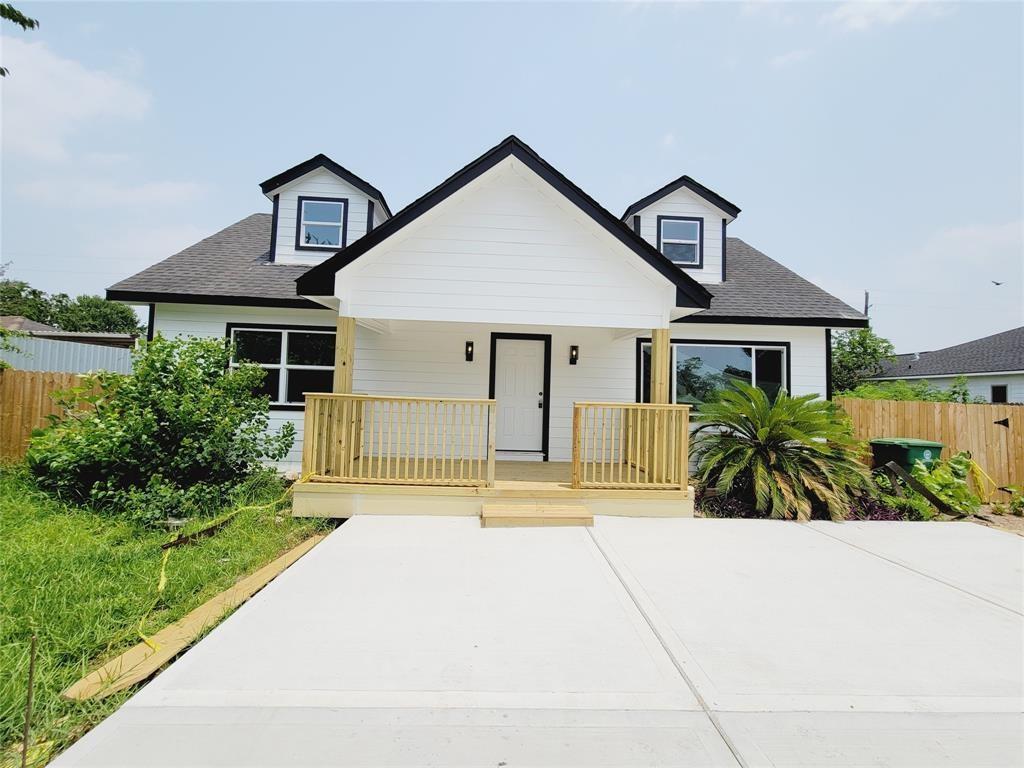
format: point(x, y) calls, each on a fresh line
point(520, 515)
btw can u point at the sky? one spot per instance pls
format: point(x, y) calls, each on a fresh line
point(871, 146)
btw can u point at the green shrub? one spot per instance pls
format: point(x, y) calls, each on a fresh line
point(913, 390)
point(790, 457)
point(171, 439)
point(949, 480)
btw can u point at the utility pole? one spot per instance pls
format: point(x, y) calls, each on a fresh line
point(866, 305)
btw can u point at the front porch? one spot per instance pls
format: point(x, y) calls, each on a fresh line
point(371, 454)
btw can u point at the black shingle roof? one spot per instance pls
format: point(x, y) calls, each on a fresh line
point(759, 289)
point(234, 267)
point(999, 352)
point(231, 267)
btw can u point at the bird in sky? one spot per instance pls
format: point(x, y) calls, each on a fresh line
point(996, 282)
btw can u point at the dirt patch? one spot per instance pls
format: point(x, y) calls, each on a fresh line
point(1010, 523)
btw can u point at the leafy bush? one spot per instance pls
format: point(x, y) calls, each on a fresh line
point(1015, 506)
point(171, 439)
point(914, 390)
point(949, 480)
point(790, 457)
point(858, 354)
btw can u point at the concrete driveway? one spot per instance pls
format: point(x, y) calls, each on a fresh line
point(431, 641)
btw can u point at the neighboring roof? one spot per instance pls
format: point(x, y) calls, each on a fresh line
point(230, 267)
point(761, 290)
point(998, 352)
point(319, 280)
point(684, 182)
point(323, 161)
point(19, 323)
point(98, 338)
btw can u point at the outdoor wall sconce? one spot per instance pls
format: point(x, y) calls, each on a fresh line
point(574, 354)
point(469, 351)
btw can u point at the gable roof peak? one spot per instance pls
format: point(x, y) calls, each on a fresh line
point(684, 182)
point(320, 160)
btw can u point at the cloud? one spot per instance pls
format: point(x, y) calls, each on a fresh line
point(96, 193)
point(668, 140)
point(790, 58)
point(779, 13)
point(47, 99)
point(860, 15)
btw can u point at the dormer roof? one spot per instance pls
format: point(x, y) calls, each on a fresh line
point(323, 161)
point(684, 182)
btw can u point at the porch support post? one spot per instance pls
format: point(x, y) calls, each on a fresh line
point(660, 354)
point(344, 354)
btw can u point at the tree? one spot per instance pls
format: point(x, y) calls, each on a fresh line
point(20, 298)
point(9, 13)
point(92, 313)
point(857, 355)
point(84, 313)
point(789, 457)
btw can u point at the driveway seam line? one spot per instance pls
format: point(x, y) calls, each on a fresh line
point(711, 715)
point(910, 568)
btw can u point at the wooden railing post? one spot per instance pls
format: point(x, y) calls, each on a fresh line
point(492, 428)
point(344, 354)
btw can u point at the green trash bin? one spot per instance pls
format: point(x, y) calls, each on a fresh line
point(905, 451)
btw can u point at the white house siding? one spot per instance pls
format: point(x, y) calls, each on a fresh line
point(210, 321)
point(35, 354)
point(682, 202)
point(319, 183)
point(506, 249)
point(429, 359)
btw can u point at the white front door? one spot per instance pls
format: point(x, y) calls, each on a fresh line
point(519, 391)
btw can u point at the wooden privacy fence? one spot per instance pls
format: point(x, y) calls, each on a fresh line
point(25, 403)
point(399, 440)
point(994, 434)
point(630, 445)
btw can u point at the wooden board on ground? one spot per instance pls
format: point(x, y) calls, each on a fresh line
point(514, 515)
point(141, 661)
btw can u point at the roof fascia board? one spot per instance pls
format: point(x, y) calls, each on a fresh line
point(945, 375)
point(318, 162)
point(146, 297)
point(685, 182)
point(817, 322)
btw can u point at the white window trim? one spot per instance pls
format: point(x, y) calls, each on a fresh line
point(754, 349)
point(675, 240)
point(304, 222)
point(284, 366)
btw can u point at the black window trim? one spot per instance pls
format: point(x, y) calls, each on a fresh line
point(992, 394)
point(787, 346)
point(700, 240)
point(303, 199)
point(230, 327)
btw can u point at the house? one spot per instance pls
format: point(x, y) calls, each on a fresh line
point(993, 366)
point(505, 314)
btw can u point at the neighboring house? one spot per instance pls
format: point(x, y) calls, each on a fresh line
point(993, 366)
point(506, 280)
point(44, 347)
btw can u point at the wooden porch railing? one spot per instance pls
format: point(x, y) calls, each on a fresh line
point(630, 445)
point(399, 440)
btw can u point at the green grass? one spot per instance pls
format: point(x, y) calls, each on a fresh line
point(81, 582)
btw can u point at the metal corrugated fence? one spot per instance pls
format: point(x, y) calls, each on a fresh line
point(65, 356)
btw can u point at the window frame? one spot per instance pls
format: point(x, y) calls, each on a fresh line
point(300, 222)
point(992, 394)
point(785, 346)
point(699, 264)
point(283, 366)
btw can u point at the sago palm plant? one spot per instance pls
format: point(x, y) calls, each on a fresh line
point(785, 457)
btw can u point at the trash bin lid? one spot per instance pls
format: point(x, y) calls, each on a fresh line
point(907, 442)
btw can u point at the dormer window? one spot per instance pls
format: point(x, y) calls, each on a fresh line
point(681, 238)
point(322, 223)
